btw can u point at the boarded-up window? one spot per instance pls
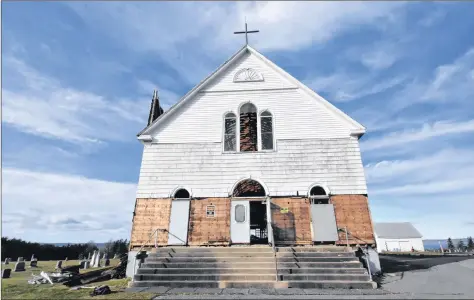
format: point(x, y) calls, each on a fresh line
point(240, 213)
point(266, 122)
point(248, 127)
point(210, 211)
point(230, 122)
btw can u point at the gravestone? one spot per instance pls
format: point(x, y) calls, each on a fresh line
point(115, 256)
point(33, 263)
point(107, 262)
point(7, 260)
point(89, 256)
point(94, 255)
point(87, 265)
point(59, 264)
point(6, 273)
point(81, 264)
point(65, 259)
point(20, 259)
point(32, 257)
point(97, 260)
point(19, 266)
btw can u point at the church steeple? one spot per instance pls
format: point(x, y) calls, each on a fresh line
point(155, 109)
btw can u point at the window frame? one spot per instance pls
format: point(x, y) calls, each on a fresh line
point(260, 138)
point(236, 132)
point(235, 213)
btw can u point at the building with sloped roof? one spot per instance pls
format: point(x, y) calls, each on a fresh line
point(398, 237)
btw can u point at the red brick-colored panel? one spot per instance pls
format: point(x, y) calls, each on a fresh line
point(204, 230)
point(293, 227)
point(352, 211)
point(150, 214)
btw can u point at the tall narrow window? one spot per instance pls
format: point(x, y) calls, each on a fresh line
point(230, 132)
point(248, 127)
point(266, 122)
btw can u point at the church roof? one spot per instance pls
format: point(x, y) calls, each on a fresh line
point(357, 130)
point(396, 230)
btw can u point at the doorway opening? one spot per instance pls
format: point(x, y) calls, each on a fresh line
point(258, 223)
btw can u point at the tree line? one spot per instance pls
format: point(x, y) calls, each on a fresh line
point(460, 245)
point(14, 248)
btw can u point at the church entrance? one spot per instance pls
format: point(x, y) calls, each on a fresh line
point(258, 222)
point(248, 213)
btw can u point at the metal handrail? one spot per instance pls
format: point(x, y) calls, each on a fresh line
point(274, 252)
point(365, 252)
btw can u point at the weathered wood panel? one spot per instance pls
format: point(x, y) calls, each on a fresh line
point(352, 211)
point(297, 164)
point(293, 227)
point(150, 214)
point(203, 230)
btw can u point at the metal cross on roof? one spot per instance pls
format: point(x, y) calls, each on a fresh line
point(246, 32)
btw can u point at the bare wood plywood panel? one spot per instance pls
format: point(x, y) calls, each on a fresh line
point(204, 230)
point(291, 221)
point(150, 214)
point(352, 211)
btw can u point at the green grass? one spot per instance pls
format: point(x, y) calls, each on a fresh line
point(17, 286)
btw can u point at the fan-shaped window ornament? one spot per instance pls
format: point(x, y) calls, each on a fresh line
point(248, 75)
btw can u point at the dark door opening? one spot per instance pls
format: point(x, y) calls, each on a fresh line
point(258, 223)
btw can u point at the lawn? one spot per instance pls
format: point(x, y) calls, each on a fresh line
point(17, 287)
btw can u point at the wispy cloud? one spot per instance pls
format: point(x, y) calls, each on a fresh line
point(398, 139)
point(40, 105)
point(355, 86)
point(55, 206)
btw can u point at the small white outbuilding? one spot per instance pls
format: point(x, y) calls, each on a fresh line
point(398, 237)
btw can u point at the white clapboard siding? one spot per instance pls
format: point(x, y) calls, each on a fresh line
point(271, 79)
point(206, 171)
point(296, 116)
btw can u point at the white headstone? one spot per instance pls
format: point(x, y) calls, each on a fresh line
point(97, 260)
point(94, 254)
point(59, 264)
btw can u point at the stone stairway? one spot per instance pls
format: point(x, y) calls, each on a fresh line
point(245, 267)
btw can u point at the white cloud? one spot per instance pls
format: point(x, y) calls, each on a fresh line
point(283, 25)
point(167, 97)
point(48, 207)
point(432, 18)
point(441, 165)
point(343, 87)
point(428, 131)
point(41, 106)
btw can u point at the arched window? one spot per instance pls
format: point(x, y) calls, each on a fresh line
point(266, 124)
point(248, 188)
point(248, 127)
point(317, 191)
point(182, 194)
point(318, 195)
point(230, 132)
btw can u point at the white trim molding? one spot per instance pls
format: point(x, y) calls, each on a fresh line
point(248, 75)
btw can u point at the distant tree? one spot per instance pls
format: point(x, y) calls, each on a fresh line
point(461, 245)
point(470, 243)
point(450, 244)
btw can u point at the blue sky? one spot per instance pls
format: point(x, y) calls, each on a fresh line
point(77, 78)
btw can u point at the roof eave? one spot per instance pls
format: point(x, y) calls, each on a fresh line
point(193, 91)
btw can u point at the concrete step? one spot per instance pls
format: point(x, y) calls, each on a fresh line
point(213, 249)
point(315, 254)
point(281, 271)
point(314, 249)
point(213, 284)
point(251, 277)
point(270, 264)
point(261, 284)
point(181, 259)
point(211, 254)
point(332, 284)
